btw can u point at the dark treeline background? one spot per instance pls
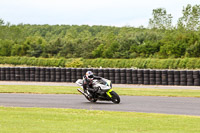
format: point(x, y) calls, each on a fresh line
point(159, 40)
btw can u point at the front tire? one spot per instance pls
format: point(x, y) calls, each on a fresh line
point(115, 97)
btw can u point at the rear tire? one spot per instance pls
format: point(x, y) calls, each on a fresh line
point(115, 97)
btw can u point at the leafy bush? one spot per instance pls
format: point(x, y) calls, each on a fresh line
point(142, 63)
point(75, 63)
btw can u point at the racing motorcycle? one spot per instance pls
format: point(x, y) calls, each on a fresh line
point(103, 92)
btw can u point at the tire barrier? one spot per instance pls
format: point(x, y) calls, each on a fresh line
point(111, 75)
point(73, 75)
point(37, 74)
point(164, 77)
point(32, 74)
point(122, 76)
point(117, 76)
point(183, 78)
point(47, 74)
point(3, 71)
point(128, 76)
point(152, 77)
point(105, 73)
point(68, 75)
point(63, 75)
point(134, 77)
point(22, 74)
point(170, 77)
point(146, 77)
point(158, 77)
point(140, 76)
point(196, 77)
point(53, 75)
point(17, 74)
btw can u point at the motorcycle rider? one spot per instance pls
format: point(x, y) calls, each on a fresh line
point(88, 83)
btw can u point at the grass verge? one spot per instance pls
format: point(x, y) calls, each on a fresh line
point(44, 120)
point(120, 91)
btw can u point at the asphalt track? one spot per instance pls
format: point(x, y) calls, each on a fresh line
point(147, 104)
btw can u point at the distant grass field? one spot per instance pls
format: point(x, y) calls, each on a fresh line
point(120, 91)
point(44, 120)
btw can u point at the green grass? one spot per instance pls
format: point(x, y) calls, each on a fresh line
point(38, 89)
point(120, 91)
point(158, 92)
point(44, 120)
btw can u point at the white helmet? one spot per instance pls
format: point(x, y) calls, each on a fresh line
point(89, 75)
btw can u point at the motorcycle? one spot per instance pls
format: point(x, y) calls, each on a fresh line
point(104, 91)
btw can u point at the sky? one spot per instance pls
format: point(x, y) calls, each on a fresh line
point(118, 13)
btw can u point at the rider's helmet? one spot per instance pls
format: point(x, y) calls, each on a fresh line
point(89, 75)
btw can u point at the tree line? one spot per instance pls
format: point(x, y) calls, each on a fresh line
point(161, 39)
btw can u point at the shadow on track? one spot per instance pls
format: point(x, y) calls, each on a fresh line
point(99, 102)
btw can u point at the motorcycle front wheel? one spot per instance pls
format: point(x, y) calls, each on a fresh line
point(115, 97)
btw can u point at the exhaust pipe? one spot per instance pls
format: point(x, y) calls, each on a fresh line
point(83, 93)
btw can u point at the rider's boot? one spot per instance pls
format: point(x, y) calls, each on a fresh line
point(84, 90)
point(90, 96)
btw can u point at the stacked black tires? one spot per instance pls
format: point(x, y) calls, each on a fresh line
point(117, 76)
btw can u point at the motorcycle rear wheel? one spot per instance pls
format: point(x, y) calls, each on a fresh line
point(115, 97)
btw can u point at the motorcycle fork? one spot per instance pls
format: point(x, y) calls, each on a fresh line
point(108, 93)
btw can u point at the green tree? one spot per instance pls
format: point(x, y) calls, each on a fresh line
point(5, 47)
point(19, 50)
point(147, 49)
point(36, 46)
point(98, 52)
point(160, 20)
point(193, 50)
point(110, 51)
point(68, 50)
point(191, 18)
point(1, 22)
point(174, 44)
point(54, 47)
